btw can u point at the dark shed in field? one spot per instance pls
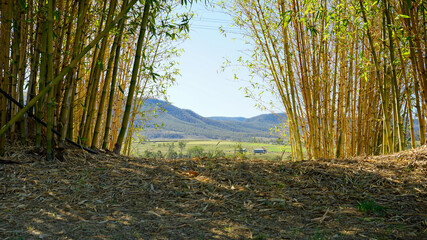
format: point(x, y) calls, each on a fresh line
point(260, 150)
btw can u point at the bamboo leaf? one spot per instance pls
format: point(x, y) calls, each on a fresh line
point(403, 16)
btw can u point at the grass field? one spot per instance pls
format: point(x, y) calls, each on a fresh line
point(274, 151)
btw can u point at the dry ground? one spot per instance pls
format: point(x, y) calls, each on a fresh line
point(104, 196)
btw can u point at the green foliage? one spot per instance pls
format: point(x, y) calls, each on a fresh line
point(239, 151)
point(171, 146)
point(181, 144)
point(318, 235)
point(238, 148)
point(148, 154)
point(17, 236)
point(196, 151)
point(171, 154)
point(158, 155)
point(261, 236)
point(217, 153)
point(371, 207)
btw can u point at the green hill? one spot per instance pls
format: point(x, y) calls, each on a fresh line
point(185, 124)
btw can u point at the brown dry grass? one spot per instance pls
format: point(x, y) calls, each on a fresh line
point(107, 196)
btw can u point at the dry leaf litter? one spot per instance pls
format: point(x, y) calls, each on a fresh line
point(106, 196)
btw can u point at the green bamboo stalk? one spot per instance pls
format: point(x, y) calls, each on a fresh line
point(135, 71)
point(118, 39)
point(395, 88)
point(378, 78)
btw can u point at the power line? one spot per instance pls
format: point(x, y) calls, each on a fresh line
point(214, 24)
point(211, 29)
point(210, 26)
point(215, 28)
point(213, 20)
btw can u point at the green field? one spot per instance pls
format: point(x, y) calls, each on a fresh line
point(229, 148)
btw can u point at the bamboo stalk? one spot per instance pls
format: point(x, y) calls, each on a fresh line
point(135, 70)
point(118, 43)
point(67, 69)
point(49, 78)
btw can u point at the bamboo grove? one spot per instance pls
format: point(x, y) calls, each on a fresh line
point(84, 67)
point(351, 74)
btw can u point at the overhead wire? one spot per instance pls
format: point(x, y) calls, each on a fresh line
point(203, 24)
point(213, 20)
point(211, 29)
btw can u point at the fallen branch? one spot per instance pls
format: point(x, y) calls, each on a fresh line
point(44, 124)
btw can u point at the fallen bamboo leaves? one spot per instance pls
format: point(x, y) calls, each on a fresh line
point(110, 196)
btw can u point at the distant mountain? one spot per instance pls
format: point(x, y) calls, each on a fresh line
point(237, 119)
point(269, 119)
point(185, 124)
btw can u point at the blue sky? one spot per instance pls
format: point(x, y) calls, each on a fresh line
point(201, 86)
